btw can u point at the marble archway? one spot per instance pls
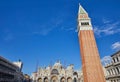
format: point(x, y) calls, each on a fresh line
point(39, 79)
point(62, 79)
point(69, 79)
point(45, 79)
point(54, 79)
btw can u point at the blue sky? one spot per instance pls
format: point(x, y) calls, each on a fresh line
point(42, 32)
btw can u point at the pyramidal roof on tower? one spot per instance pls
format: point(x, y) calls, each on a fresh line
point(81, 10)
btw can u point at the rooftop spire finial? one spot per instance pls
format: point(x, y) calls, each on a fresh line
point(79, 4)
point(81, 10)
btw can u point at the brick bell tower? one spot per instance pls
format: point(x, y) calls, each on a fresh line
point(91, 64)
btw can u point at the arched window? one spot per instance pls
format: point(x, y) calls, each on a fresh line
point(84, 23)
point(75, 73)
point(54, 71)
point(112, 72)
point(109, 72)
point(114, 60)
point(117, 59)
point(117, 70)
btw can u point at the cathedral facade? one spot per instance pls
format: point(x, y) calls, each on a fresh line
point(57, 73)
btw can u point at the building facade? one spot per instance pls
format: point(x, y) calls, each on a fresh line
point(27, 78)
point(10, 72)
point(113, 68)
point(57, 73)
point(91, 64)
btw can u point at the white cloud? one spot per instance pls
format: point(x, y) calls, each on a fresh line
point(106, 21)
point(116, 46)
point(42, 32)
point(68, 28)
point(107, 29)
point(7, 35)
point(106, 60)
point(48, 27)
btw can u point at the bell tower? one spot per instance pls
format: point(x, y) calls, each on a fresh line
point(91, 65)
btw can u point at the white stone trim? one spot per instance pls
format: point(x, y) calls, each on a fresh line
point(86, 28)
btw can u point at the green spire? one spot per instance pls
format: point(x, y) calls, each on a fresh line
point(81, 10)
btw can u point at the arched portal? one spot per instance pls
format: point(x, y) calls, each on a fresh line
point(62, 79)
point(45, 79)
point(39, 79)
point(69, 79)
point(54, 79)
point(75, 80)
point(79, 80)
